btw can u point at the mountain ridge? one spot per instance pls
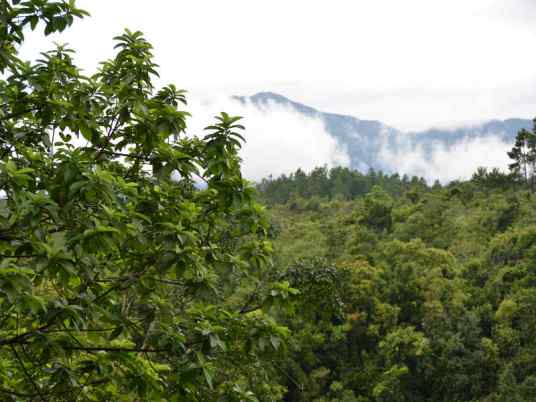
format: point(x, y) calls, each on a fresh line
point(364, 140)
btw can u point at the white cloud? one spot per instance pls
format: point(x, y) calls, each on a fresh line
point(278, 139)
point(458, 161)
point(410, 64)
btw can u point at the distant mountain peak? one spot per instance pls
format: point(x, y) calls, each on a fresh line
point(364, 140)
point(264, 96)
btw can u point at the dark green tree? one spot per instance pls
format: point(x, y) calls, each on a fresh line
point(119, 279)
point(524, 156)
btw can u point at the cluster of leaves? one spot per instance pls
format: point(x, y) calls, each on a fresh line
point(423, 296)
point(121, 279)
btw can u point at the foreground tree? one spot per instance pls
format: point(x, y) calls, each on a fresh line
point(119, 280)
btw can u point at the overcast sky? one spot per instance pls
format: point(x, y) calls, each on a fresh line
point(411, 64)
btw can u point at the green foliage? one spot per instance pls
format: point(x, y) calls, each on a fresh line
point(119, 279)
point(377, 210)
point(427, 295)
point(122, 279)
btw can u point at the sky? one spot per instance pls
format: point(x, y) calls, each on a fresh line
point(411, 64)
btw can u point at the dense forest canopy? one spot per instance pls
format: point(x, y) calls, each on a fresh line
point(341, 182)
point(123, 280)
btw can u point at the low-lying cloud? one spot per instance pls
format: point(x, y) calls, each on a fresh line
point(279, 140)
point(446, 163)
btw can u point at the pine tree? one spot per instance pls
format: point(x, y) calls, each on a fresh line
point(524, 155)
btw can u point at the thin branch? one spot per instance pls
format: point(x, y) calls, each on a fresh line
point(127, 281)
point(18, 114)
point(79, 330)
point(246, 308)
point(22, 337)
point(167, 282)
point(27, 374)
point(132, 156)
point(21, 255)
point(111, 349)
point(19, 394)
point(249, 309)
point(111, 131)
point(201, 177)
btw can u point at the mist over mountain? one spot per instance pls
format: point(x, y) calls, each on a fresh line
point(373, 144)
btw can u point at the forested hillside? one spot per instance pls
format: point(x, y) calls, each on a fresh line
point(409, 292)
point(124, 279)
